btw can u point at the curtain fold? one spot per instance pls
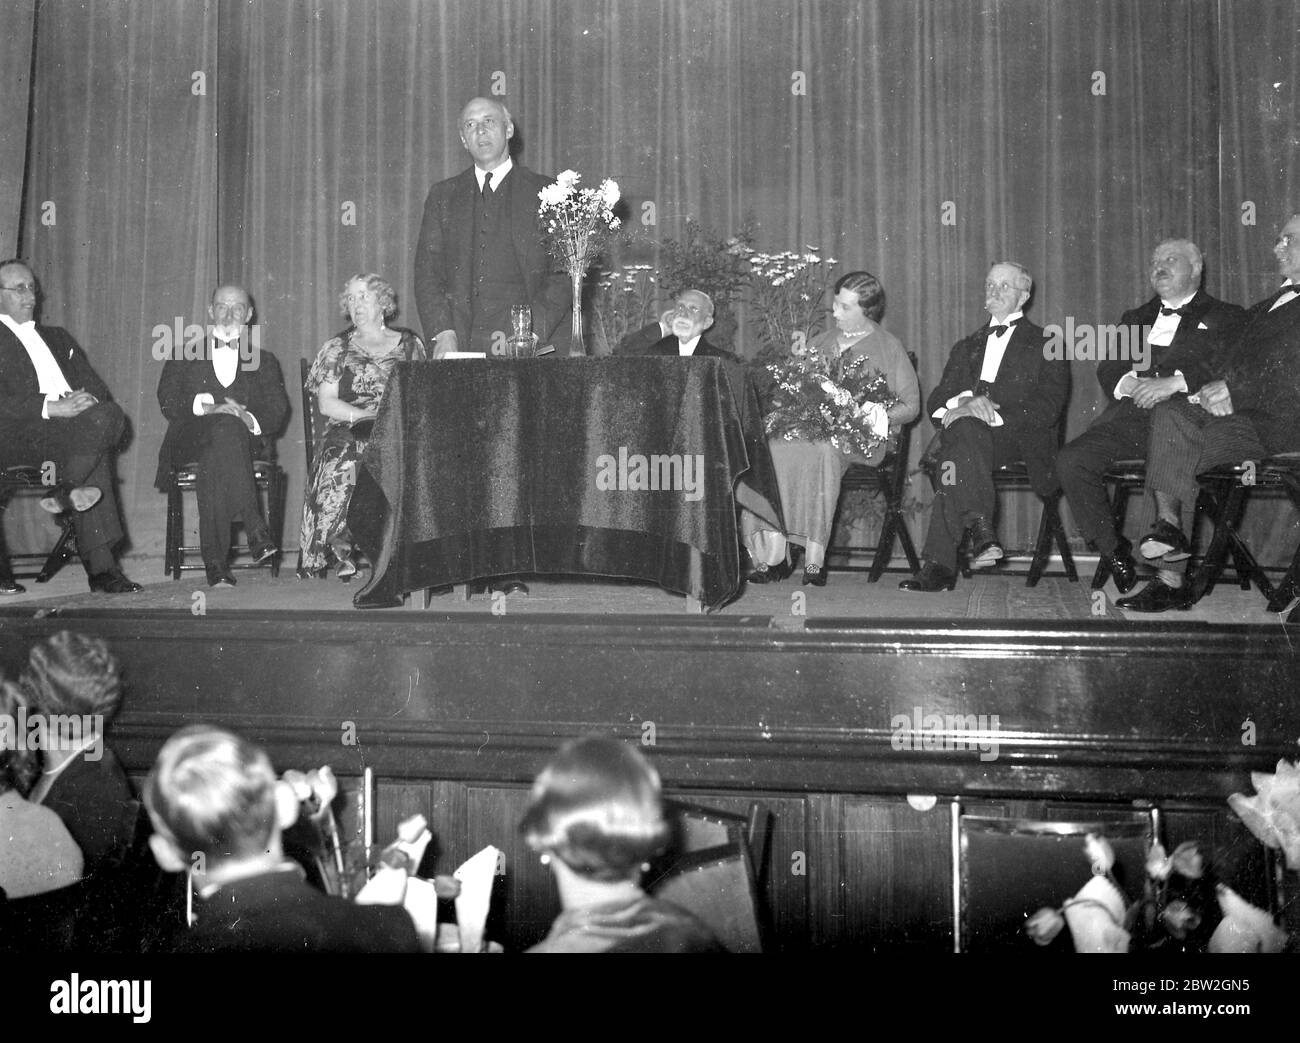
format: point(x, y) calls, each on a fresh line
point(919, 140)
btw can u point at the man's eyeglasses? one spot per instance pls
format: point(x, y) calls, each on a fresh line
point(999, 287)
point(488, 123)
point(22, 287)
point(681, 307)
point(1285, 240)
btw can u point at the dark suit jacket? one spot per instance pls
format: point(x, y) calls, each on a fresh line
point(1262, 369)
point(97, 804)
point(260, 391)
point(280, 912)
point(1193, 350)
point(649, 340)
point(444, 259)
point(1031, 392)
point(20, 398)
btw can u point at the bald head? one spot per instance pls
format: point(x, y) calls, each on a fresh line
point(485, 130)
point(1176, 269)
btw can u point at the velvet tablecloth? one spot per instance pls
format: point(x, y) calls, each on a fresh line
point(619, 467)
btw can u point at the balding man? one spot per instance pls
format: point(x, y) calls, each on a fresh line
point(55, 409)
point(481, 248)
point(224, 409)
point(679, 331)
point(1182, 329)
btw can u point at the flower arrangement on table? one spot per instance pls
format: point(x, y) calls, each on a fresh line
point(624, 301)
point(786, 290)
point(843, 400)
point(578, 223)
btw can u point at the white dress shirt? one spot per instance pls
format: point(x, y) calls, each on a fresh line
point(689, 347)
point(994, 348)
point(1287, 297)
point(225, 363)
point(1161, 336)
point(498, 175)
point(53, 384)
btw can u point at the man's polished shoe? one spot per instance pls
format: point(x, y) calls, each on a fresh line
point(8, 585)
point(263, 552)
point(219, 576)
point(814, 575)
point(508, 587)
point(82, 498)
point(112, 582)
point(986, 548)
point(931, 578)
point(770, 573)
point(1121, 568)
point(1165, 541)
point(1158, 596)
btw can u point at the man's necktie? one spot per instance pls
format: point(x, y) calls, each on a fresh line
point(487, 182)
point(997, 331)
point(1173, 311)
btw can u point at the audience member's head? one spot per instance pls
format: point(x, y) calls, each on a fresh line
point(71, 673)
point(597, 807)
point(214, 794)
point(18, 766)
point(870, 294)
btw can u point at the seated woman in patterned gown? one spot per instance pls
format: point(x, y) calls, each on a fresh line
point(809, 472)
point(349, 376)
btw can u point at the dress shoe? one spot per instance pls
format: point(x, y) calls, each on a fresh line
point(79, 499)
point(263, 552)
point(1158, 596)
point(9, 586)
point(508, 587)
point(1121, 568)
point(986, 549)
point(347, 569)
point(219, 576)
point(770, 573)
point(814, 576)
point(112, 582)
point(1165, 541)
point(931, 578)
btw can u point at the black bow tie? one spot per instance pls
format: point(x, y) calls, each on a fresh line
point(1173, 311)
point(997, 331)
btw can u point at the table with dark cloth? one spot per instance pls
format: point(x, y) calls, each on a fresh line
point(484, 467)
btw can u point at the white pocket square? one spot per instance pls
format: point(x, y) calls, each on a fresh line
point(1202, 326)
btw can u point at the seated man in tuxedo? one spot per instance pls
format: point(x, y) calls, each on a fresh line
point(1184, 328)
point(679, 331)
point(999, 401)
point(218, 809)
point(1251, 410)
point(54, 409)
point(223, 411)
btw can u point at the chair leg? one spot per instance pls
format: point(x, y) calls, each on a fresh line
point(1043, 546)
point(172, 552)
point(58, 556)
point(1220, 505)
point(885, 544)
point(275, 515)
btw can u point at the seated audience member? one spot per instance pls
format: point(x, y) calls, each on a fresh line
point(999, 401)
point(54, 407)
point(809, 473)
point(1251, 411)
point(1184, 329)
point(596, 818)
point(217, 809)
point(349, 377)
point(37, 853)
point(679, 331)
point(74, 678)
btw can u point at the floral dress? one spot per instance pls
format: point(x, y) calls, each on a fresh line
point(362, 378)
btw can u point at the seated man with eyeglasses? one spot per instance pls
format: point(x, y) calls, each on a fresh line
point(999, 401)
point(55, 410)
point(679, 331)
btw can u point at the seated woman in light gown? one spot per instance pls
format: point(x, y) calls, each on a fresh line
point(809, 472)
point(349, 377)
point(596, 818)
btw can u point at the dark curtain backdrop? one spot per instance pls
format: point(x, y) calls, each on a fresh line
point(324, 124)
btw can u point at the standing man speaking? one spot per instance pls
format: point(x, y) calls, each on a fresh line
point(481, 248)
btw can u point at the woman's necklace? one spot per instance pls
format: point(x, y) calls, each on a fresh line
point(849, 337)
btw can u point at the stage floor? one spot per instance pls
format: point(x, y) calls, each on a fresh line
point(847, 595)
